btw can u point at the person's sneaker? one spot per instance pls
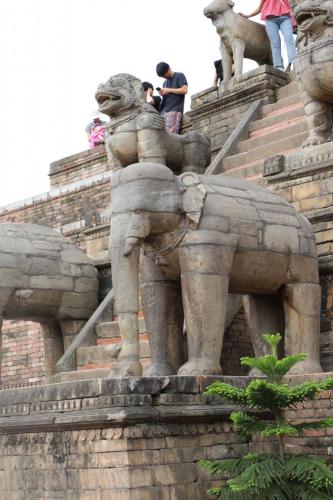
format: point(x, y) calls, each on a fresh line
point(290, 67)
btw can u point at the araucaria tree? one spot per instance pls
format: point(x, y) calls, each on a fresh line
point(277, 475)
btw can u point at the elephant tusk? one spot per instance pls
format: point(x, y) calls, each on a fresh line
point(130, 243)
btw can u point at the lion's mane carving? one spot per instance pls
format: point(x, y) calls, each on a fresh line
point(137, 133)
point(314, 66)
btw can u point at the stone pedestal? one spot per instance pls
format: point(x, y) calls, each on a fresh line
point(118, 439)
point(126, 439)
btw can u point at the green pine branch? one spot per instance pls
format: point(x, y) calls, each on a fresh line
point(272, 476)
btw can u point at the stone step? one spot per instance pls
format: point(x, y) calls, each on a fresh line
point(270, 135)
point(249, 170)
point(253, 170)
point(264, 151)
point(99, 354)
point(110, 329)
point(270, 109)
point(288, 113)
point(80, 375)
point(117, 340)
point(287, 90)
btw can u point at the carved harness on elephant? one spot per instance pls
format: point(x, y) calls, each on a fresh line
point(176, 238)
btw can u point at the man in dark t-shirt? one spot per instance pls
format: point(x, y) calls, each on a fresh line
point(173, 93)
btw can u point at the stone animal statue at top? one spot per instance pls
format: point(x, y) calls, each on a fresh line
point(239, 37)
point(137, 131)
point(314, 67)
point(208, 235)
point(47, 279)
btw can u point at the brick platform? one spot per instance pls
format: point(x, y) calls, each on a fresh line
point(125, 439)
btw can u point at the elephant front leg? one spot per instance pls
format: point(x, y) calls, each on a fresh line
point(53, 346)
point(205, 301)
point(164, 319)
point(302, 309)
point(126, 285)
point(205, 283)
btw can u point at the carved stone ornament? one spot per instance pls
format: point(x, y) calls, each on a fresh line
point(314, 67)
point(137, 131)
point(239, 38)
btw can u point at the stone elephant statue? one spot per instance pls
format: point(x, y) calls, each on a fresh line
point(200, 237)
point(46, 278)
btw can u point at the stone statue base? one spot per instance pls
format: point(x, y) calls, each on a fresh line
point(133, 438)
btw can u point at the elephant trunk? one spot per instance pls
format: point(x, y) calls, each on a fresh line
point(137, 229)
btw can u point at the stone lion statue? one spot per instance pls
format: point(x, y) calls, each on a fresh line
point(137, 133)
point(314, 67)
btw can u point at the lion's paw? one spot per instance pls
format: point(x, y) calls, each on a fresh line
point(316, 140)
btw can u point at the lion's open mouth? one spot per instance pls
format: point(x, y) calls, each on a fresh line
point(104, 99)
point(304, 15)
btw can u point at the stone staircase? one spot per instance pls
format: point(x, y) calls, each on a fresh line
point(95, 361)
point(280, 130)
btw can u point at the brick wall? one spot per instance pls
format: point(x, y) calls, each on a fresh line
point(77, 167)
point(23, 356)
point(115, 463)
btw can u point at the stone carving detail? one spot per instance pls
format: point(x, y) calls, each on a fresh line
point(200, 237)
point(314, 67)
point(137, 132)
point(47, 279)
point(239, 38)
point(139, 431)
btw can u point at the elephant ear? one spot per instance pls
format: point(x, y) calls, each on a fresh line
point(193, 197)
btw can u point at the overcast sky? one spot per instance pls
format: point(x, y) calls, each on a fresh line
point(54, 54)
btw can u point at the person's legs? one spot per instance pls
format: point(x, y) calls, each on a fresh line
point(272, 29)
point(172, 121)
point(287, 32)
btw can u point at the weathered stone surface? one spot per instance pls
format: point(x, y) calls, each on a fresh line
point(179, 249)
point(35, 285)
point(99, 451)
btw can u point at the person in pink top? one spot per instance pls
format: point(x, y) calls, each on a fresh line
point(277, 17)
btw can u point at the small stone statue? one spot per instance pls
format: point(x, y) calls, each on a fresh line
point(137, 131)
point(314, 67)
point(239, 38)
point(200, 237)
